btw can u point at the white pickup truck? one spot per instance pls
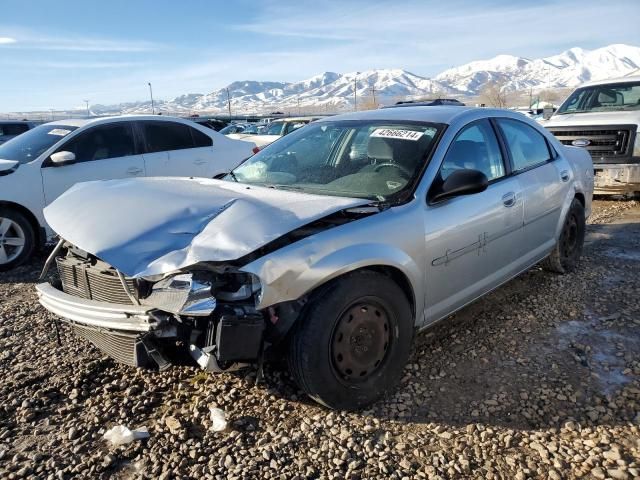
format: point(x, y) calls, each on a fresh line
point(604, 118)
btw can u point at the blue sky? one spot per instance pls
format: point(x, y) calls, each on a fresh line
point(56, 54)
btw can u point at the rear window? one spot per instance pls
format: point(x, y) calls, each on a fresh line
point(166, 136)
point(200, 139)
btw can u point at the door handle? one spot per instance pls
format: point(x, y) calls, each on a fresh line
point(200, 162)
point(509, 199)
point(134, 171)
point(564, 175)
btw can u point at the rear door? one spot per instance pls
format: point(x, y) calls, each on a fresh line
point(472, 242)
point(102, 152)
point(173, 149)
point(545, 178)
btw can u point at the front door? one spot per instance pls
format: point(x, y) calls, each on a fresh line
point(473, 242)
point(103, 152)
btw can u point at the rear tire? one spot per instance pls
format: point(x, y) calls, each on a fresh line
point(353, 341)
point(565, 255)
point(17, 239)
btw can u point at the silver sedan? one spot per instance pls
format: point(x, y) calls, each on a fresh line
point(335, 244)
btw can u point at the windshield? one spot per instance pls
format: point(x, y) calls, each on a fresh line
point(364, 159)
point(275, 128)
point(231, 129)
point(253, 129)
point(603, 98)
point(30, 145)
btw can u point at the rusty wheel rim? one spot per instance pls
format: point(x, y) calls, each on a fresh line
point(361, 341)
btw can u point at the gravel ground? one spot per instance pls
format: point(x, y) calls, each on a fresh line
point(540, 379)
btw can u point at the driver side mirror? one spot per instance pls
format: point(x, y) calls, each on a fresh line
point(59, 159)
point(460, 182)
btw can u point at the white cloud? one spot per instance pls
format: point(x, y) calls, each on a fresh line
point(7, 40)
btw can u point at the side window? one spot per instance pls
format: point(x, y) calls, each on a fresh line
point(291, 126)
point(527, 147)
point(101, 143)
point(200, 139)
point(165, 136)
point(476, 147)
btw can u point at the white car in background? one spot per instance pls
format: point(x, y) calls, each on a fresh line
point(41, 164)
point(273, 131)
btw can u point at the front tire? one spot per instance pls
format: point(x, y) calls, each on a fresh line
point(565, 255)
point(353, 341)
point(17, 239)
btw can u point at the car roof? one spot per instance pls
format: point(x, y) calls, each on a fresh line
point(632, 78)
point(435, 114)
point(81, 122)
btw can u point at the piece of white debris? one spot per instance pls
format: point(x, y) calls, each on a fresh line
point(218, 420)
point(120, 435)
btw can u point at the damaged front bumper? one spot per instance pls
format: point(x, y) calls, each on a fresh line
point(127, 318)
point(217, 337)
point(616, 178)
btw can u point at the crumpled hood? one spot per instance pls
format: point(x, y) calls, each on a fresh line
point(150, 226)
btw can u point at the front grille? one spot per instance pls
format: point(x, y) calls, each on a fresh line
point(122, 347)
point(81, 279)
point(607, 144)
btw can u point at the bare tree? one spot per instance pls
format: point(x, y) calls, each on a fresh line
point(368, 103)
point(494, 94)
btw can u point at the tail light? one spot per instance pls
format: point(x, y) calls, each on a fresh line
point(255, 150)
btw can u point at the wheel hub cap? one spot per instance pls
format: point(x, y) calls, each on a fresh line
point(360, 341)
point(12, 240)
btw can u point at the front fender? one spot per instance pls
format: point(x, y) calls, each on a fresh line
point(289, 274)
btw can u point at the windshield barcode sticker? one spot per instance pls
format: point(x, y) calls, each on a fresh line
point(397, 133)
point(61, 132)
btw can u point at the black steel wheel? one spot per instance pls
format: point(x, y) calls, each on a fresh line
point(352, 341)
point(566, 254)
point(361, 341)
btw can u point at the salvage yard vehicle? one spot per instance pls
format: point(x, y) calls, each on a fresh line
point(604, 118)
point(335, 245)
point(38, 166)
point(273, 131)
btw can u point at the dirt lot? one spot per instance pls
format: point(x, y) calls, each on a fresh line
point(540, 379)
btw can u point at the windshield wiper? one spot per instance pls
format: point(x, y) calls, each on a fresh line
point(233, 175)
point(282, 187)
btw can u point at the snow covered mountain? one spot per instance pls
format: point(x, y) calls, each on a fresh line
point(568, 69)
point(334, 91)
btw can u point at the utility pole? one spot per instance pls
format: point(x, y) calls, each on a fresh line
point(298, 98)
point(153, 108)
point(373, 94)
point(87, 104)
point(355, 93)
point(228, 102)
point(51, 109)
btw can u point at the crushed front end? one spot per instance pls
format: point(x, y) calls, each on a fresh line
point(207, 311)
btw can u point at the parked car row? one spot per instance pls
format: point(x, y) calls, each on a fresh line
point(333, 245)
point(263, 135)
